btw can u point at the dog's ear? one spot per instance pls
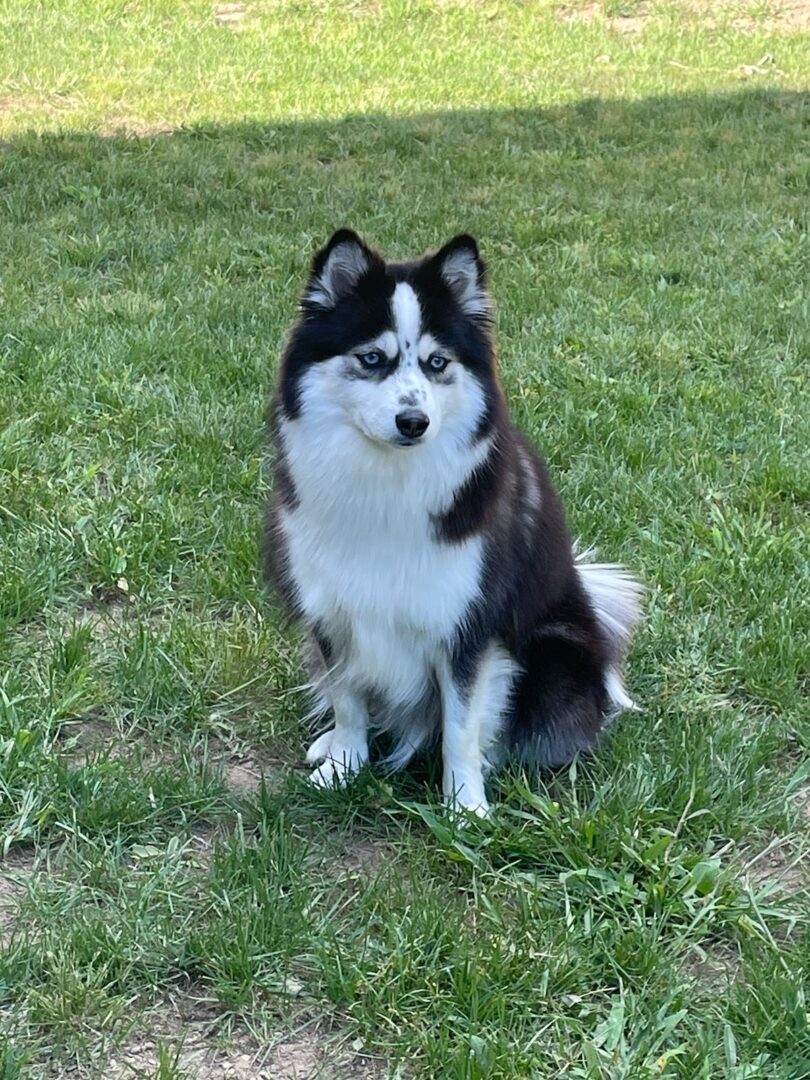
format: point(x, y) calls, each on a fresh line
point(337, 268)
point(463, 271)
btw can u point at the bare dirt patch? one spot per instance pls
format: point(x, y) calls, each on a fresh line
point(232, 16)
point(203, 841)
point(788, 17)
point(189, 1054)
point(314, 1055)
point(135, 128)
point(104, 619)
point(629, 23)
point(243, 769)
point(188, 1040)
point(792, 16)
point(86, 737)
point(18, 102)
point(778, 870)
point(15, 869)
point(90, 736)
point(245, 773)
point(716, 966)
point(53, 103)
point(364, 858)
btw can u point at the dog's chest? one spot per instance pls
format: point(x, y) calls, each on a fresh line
point(362, 552)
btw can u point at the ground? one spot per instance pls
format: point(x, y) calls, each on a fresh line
point(175, 902)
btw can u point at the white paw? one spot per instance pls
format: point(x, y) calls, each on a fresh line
point(320, 748)
point(467, 798)
point(341, 761)
point(479, 809)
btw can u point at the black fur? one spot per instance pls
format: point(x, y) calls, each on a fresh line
point(534, 602)
point(284, 497)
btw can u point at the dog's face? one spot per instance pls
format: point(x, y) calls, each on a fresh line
point(399, 352)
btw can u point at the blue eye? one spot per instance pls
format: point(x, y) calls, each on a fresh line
point(437, 362)
point(370, 359)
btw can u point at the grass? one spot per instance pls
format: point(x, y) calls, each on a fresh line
point(642, 200)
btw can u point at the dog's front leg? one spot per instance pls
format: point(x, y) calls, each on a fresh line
point(343, 750)
point(463, 778)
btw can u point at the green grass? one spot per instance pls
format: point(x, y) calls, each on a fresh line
point(642, 199)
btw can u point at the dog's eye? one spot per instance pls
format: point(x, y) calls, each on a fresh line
point(437, 362)
point(370, 359)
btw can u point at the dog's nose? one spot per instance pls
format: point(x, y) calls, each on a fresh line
point(412, 423)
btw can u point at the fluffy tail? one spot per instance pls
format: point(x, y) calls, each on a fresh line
point(616, 599)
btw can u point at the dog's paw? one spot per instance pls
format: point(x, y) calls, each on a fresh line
point(340, 761)
point(459, 807)
point(337, 771)
point(320, 748)
point(469, 798)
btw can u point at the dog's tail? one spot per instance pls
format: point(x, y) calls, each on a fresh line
point(615, 596)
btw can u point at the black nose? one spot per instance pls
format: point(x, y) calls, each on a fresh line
point(412, 423)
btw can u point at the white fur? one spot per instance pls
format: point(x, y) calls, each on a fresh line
point(619, 698)
point(343, 749)
point(462, 773)
point(470, 729)
point(616, 599)
point(615, 595)
point(533, 496)
point(491, 696)
point(360, 539)
point(408, 322)
point(427, 345)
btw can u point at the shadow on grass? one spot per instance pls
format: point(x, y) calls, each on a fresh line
point(522, 179)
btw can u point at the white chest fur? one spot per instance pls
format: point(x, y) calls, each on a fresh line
point(362, 551)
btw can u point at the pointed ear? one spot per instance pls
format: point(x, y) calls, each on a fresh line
point(465, 274)
point(337, 268)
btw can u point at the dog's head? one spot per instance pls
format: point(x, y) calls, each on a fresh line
point(399, 352)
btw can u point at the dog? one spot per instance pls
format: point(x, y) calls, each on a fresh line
point(417, 536)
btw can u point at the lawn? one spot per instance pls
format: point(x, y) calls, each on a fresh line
point(175, 901)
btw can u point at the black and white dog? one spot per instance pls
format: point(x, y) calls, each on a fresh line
point(417, 535)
